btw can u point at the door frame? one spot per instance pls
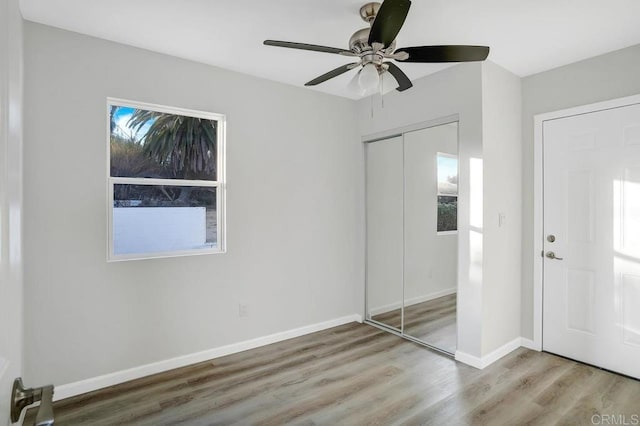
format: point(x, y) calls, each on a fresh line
point(538, 194)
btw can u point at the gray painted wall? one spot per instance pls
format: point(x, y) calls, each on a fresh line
point(294, 208)
point(605, 77)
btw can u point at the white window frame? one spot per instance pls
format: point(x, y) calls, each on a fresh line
point(219, 183)
point(438, 194)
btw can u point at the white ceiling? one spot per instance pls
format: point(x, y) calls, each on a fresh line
point(525, 36)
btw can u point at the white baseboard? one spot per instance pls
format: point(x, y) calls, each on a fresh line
point(471, 360)
point(88, 385)
point(530, 344)
point(413, 301)
point(492, 357)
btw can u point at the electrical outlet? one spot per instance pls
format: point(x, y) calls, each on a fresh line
point(243, 310)
point(502, 219)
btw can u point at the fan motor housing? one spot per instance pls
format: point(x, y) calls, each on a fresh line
point(359, 41)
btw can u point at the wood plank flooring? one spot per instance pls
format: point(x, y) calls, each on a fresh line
point(433, 321)
point(357, 374)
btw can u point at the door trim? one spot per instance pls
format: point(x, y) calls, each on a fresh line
point(538, 194)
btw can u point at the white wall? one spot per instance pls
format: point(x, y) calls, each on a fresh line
point(502, 152)
point(294, 209)
point(455, 90)
point(10, 201)
point(605, 77)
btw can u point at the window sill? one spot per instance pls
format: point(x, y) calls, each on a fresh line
point(447, 233)
point(163, 255)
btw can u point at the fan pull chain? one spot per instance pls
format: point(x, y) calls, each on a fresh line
point(371, 105)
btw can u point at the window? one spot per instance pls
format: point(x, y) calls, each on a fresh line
point(447, 192)
point(166, 181)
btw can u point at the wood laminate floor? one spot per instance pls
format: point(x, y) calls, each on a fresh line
point(357, 374)
point(433, 321)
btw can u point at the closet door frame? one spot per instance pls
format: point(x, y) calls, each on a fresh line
point(378, 137)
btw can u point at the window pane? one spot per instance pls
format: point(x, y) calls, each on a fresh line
point(150, 144)
point(447, 213)
point(447, 175)
point(155, 219)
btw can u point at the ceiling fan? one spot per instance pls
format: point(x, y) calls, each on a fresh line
point(375, 46)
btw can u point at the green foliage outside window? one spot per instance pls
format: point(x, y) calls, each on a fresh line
point(447, 192)
point(150, 144)
point(447, 213)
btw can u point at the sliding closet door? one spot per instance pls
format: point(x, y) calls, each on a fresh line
point(430, 234)
point(384, 231)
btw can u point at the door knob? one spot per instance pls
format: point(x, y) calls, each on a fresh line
point(22, 397)
point(552, 255)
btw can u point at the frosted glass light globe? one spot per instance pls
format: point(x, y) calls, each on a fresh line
point(369, 79)
point(387, 83)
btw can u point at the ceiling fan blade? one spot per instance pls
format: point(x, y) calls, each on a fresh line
point(312, 47)
point(435, 54)
point(333, 73)
point(388, 22)
point(403, 81)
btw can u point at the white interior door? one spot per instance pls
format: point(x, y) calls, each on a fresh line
point(10, 201)
point(592, 209)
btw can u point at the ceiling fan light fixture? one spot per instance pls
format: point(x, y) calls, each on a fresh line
point(354, 85)
point(369, 79)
